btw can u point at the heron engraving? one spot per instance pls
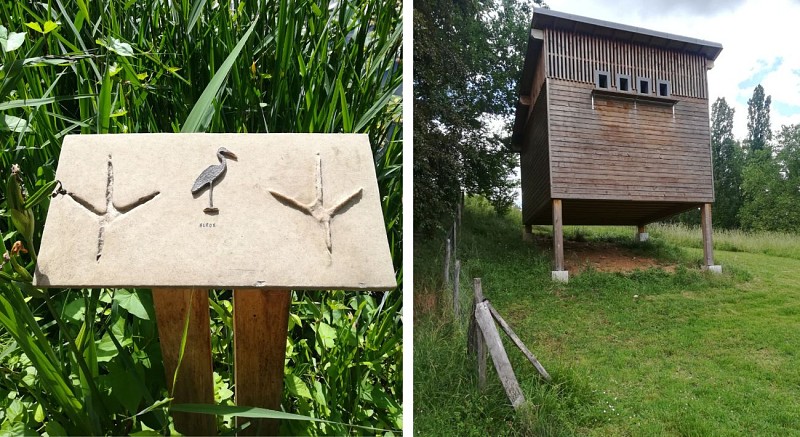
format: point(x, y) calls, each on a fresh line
point(210, 175)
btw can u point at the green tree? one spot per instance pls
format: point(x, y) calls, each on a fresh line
point(759, 132)
point(728, 159)
point(771, 185)
point(467, 58)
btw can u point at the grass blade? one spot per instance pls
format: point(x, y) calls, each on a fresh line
point(200, 117)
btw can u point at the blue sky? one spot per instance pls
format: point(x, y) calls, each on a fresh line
point(761, 44)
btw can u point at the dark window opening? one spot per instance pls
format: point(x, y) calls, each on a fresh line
point(664, 88)
point(644, 85)
point(623, 83)
point(601, 79)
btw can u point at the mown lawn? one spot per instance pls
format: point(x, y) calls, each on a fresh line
point(644, 353)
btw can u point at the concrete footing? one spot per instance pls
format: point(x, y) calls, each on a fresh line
point(713, 269)
point(641, 237)
point(560, 275)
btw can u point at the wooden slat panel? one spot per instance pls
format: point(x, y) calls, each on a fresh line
point(618, 150)
point(195, 382)
point(575, 57)
point(260, 324)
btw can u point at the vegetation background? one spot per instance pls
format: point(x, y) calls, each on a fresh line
point(88, 361)
point(696, 355)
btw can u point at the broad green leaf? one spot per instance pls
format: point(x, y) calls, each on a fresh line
point(104, 104)
point(35, 26)
point(35, 103)
point(107, 350)
point(38, 413)
point(132, 302)
point(84, 10)
point(327, 334)
point(54, 428)
point(10, 41)
point(13, 124)
point(124, 387)
point(254, 413)
point(297, 387)
point(50, 26)
point(200, 116)
point(119, 47)
point(76, 310)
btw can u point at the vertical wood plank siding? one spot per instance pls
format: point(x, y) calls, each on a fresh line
point(569, 59)
point(535, 162)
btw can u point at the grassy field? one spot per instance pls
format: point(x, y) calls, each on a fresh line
point(643, 353)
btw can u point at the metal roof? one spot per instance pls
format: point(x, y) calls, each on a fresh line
point(550, 19)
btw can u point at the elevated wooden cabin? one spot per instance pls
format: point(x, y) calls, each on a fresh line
point(612, 124)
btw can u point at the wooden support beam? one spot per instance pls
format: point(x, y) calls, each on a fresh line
point(641, 229)
point(516, 340)
point(705, 224)
point(499, 356)
point(195, 383)
point(558, 237)
point(260, 325)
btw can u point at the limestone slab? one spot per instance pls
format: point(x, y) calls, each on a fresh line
point(293, 211)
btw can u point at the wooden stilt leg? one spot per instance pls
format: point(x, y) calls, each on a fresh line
point(527, 233)
point(195, 382)
point(705, 223)
point(260, 327)
point(641, 234)
point(558, 237)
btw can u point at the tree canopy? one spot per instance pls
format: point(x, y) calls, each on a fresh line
point(467, 58)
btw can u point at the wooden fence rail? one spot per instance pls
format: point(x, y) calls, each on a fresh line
point(483, 335)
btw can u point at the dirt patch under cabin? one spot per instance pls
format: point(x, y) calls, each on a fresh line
point(602, 256)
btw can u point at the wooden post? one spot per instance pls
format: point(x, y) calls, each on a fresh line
point(447, 263)
point(459, 211)
point(456, 291)
point(455, 240)
point(558, 237)
point(499, 356)
point(516, 340)
point(195, 383)
point(527, 233)
point(260, 325)
point(641, 234)
point(480, 342)
point(705, 224)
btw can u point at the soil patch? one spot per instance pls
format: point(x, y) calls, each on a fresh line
point(603, 256)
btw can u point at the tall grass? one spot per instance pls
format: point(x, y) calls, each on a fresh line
point(84, 67)
point(769, 243)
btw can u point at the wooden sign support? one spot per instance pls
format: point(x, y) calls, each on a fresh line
point(279, 212)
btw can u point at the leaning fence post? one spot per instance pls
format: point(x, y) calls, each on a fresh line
point(447, 263)
point(456, 290)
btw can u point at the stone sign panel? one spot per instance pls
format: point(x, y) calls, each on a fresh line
point(277, 211)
